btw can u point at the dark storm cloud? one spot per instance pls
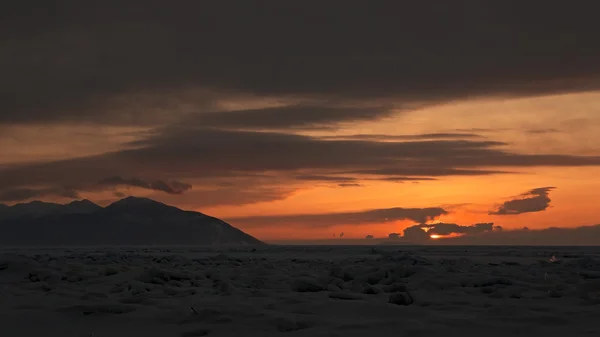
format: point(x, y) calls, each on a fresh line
point(535, 200)
point(342, 218)
point(203, 154)
point(21, 194)
point(170, 187)
point(68, 59)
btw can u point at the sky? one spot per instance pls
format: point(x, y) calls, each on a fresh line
point(307, 119)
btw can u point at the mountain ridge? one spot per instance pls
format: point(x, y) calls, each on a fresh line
point(137, 221)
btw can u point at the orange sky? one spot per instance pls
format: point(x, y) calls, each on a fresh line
point(555, 124)
point(573, 125)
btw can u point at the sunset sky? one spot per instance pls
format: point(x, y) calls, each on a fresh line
point(305, 119)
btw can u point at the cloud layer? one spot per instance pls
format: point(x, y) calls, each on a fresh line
point(417, 52)
point(23, 193)
point(584, 235)
point(198, 155)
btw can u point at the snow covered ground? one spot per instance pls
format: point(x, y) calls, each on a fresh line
point(300, 291)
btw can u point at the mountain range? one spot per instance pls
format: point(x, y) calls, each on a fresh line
point(129, 221)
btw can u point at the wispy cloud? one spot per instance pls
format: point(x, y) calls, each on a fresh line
point(371, 216)
point(22, 193)
point(170, 187)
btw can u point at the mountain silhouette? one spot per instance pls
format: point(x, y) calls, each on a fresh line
point(129, 221)
point(30, 209)
point(80, 206)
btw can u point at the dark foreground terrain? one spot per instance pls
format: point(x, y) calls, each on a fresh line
point(300, 291)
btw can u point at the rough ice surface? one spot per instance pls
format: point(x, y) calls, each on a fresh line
point(300, 291)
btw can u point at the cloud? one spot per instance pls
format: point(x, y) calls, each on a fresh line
point(199, 153)
point(425, 158)
point(369, 237)
point(324, 178)
point(21, 194)
point(424, 171)
point(206, 156)
point(482, 130)
point(449, 228)
point(394, 236)
point(244, 193)
point(378, 137)
point(73, 192)
point(352, 181)
point(542, 131)
point(535, 200)
point(416, 234)
point(342, 218)
point(472, 48)
point(119, 195)
point(294, 116)
point(422, 232)
point(171, 187)
point(584, 235)
point(554, 236)
point(404, 179)
point(350, 185)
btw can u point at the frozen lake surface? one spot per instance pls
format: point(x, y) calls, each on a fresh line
point(300, 291)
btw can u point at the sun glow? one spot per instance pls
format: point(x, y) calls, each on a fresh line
point(439, 236)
